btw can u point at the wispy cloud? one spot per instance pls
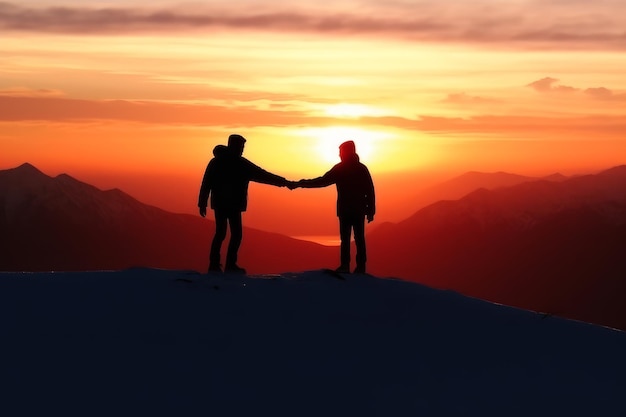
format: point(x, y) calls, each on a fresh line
point(29, 92)
point(603, 93)
point(23, 109)
point(599, 24)
point(549, 84)
point(514, 126)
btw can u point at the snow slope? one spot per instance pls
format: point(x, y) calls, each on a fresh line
point(166, 343)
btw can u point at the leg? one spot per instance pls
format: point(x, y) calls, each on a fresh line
point(218, 238)
point(236, 235)
point(359, 239)
point(345, 230)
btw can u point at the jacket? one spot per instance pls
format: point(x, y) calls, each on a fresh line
point(226, 180)
point(355, 188)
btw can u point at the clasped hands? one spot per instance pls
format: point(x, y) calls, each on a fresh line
point(292, 185)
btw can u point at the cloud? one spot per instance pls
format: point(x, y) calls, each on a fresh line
point(512, 126)
point(598, 25)
point(602, 93)
point(53, 109)
point(29, 92)
point(128, 20)
point(25, 108)
point(547, 84)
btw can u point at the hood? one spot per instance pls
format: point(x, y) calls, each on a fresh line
point(220, 151)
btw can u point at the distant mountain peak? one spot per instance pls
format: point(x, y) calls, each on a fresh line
point(618, 170)
point(28, 167)
point(557, 176)
point(66, 177)
point(24, 174)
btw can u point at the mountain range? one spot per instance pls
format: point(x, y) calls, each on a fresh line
point(555, 245)
point(64, 224)
point(460, 186)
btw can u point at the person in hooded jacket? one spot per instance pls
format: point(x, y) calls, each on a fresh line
point(226, 180)
point(355, 202)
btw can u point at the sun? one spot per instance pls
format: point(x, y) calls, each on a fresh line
point(328, 139)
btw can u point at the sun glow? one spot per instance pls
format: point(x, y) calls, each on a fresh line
point(328, 140)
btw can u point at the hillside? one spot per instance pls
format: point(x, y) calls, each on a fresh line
point(163, 343)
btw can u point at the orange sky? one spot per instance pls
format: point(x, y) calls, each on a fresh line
point(134, 96)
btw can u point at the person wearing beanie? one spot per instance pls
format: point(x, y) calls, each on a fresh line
point(226, 180)
point(355, 202)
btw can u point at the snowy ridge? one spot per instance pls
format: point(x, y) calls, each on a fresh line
point(162, 343)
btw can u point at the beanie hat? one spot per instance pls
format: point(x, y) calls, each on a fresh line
point(236, 140)
point(348, 147)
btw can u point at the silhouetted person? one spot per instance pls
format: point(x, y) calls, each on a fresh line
point(226, 180)
point(355, 202)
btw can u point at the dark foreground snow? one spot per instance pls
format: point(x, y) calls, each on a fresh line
point(148, 342)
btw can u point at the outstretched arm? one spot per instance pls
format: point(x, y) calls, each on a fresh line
point(323, 181)
point(258, 174)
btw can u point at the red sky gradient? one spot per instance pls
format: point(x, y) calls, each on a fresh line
point(135, 96)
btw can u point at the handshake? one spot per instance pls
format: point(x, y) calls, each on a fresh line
point(292, 185)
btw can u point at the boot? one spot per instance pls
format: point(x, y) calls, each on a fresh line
point(343, 269)
point(360, 269)
point(234, 268)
